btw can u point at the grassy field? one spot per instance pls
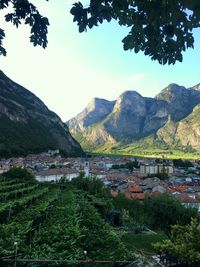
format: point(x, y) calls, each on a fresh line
point(145, 148)
point(147, 153)
point(142, 242)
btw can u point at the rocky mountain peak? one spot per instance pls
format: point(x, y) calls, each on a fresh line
point(97, 103)
point(170, 92)
point(134, 117)
point(196, 87)
point(129, 95)
point(130, 101)
point(96, 111)
point(180, 100)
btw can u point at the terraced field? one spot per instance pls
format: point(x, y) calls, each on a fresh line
point(53, 222)
point(22, 204)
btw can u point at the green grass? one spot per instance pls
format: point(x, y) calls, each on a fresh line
point(142, 242)
point(146, 148)
point(145, 151)
point(148, 153)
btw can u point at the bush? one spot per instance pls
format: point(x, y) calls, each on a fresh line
point(19, 173)
point(163, 211)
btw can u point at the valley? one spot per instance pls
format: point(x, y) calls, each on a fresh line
point(167, 125)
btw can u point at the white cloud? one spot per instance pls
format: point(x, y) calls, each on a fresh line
point(135, 78)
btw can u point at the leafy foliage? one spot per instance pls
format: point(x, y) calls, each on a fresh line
point(160, 29)
point(24, 11)
point(89, 184)
point(181, 163)
point(18, 138)
point(59, 224)
point(62, 220)
point(94, 191)
point(160, 212)
point(14, 230)
point(184, 244)
point(59, 237)
point(19, 173)
point(163, 211)
point(135, 209)
point(2, 49)
point(10, 207)
point(98, 237)
point(129, 165)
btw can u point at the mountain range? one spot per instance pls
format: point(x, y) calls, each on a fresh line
point(170, 120)
point(28, 126)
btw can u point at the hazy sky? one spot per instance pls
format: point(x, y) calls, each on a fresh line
point(77, 67)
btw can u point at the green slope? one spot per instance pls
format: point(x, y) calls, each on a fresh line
point(28, 126)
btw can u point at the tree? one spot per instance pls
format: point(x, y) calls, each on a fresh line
point(91, 185)
point(19, 173)
point(132, 210)
point(182, 163)
point(163, 211)
point(184, 244)
point(24, 11)
point(160, 29)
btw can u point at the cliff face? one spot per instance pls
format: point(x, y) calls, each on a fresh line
point(95, 111)
point(180, 101)
point(132, 117)
point(188, 130)
point(27, 125)
point(185, 133)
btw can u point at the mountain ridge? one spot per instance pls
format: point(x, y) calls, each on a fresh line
point(27, 125)
point(134, 117)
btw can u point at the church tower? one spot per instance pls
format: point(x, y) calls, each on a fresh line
point(86, 168)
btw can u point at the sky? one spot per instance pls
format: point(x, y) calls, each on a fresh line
point(76, 67)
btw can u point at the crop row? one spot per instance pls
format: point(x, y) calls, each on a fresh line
point(59, 234)
point(9, 208)
point(5, 188)
point(6, 181)
point(18, 192)
point(26, 221)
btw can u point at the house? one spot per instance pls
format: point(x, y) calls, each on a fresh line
point(56, 174)
point(135, 192)
point(189, 200)
point(4, 166)
point(177, 188)
point(146, 170)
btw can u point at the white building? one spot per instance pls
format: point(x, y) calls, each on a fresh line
point(146, 170)
point(56, 174)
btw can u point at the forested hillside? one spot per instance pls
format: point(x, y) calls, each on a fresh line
point(28, 126)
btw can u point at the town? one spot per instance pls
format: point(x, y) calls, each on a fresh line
point(136, 178)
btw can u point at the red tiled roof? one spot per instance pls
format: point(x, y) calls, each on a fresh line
point(135, 179)
point(134, 189)
point(139, 196)
point(187, 198)
point(178, 188)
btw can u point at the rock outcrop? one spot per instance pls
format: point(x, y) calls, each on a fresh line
point(166, 118)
